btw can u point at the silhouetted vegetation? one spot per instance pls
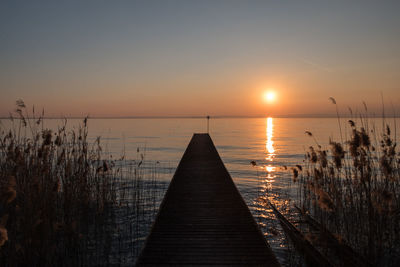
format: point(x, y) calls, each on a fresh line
point(352, 189)
point(64, 203)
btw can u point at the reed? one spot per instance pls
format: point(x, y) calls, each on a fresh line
point(353, 188)
point(64, 202)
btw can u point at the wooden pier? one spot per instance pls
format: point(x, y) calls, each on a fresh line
point(203, 219)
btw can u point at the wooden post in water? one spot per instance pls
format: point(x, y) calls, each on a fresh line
point(208, 124)
point(203, 219)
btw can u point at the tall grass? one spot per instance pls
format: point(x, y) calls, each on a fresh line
point(64, 203)
point(353, 189)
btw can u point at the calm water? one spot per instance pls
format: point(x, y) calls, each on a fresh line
point(271, 142)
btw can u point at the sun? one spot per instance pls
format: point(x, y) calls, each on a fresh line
point(269, 96)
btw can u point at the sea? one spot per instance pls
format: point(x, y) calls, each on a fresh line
point(258, 153)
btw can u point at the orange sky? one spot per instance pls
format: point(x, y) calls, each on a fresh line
point(193, 59)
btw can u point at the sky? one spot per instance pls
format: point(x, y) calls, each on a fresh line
point(195, 58)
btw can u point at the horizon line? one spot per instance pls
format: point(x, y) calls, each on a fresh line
point(291, 116)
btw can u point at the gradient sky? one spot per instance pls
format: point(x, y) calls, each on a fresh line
point(169, 58)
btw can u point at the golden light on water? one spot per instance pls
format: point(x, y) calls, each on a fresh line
point(270, 168)
point(270, 133)
point(270, 152)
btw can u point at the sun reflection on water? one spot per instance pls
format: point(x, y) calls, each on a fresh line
point(270, 151)
point(270, 180)
point(270, 133)
point(268, 170)
point(268, 186)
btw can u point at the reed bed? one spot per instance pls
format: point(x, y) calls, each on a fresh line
point(352, 188)
point(64, 202)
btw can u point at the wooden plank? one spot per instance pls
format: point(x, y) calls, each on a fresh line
point(311, 255)
point(203, 220)
point(345, 254)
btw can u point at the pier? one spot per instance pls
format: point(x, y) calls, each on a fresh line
point(203, 219)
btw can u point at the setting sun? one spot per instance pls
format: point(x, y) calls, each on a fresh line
point(269, 96)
